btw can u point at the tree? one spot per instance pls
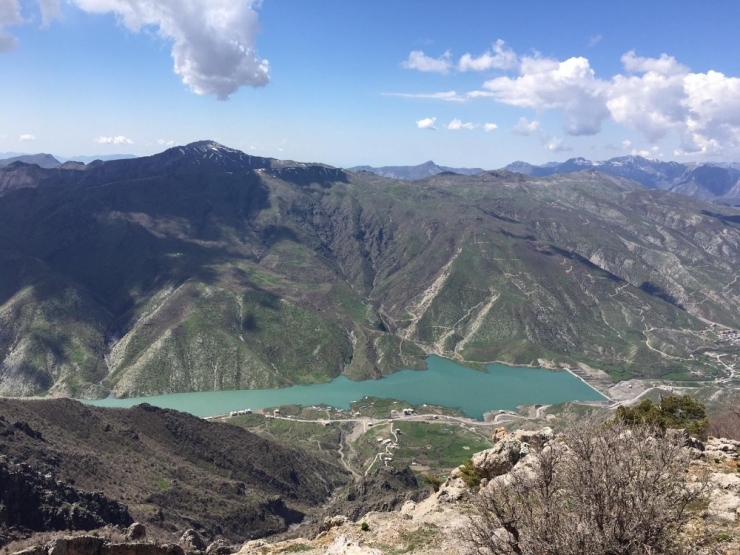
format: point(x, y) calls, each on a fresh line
point(671, 412)
point(609, 490)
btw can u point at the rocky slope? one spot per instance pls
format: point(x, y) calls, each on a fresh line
point(434, 526)
point(34, 502)
point(173, 471)
point(186, 270)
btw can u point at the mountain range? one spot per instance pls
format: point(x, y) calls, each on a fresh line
point(718, 182)
point(714, 182)
point(190, 269)
point(427, 169)
point(50, 161)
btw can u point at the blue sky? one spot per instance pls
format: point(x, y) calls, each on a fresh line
point(465, 83)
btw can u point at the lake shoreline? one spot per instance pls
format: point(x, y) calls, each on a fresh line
point(445, 383)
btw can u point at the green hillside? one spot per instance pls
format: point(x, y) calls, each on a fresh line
point(203, 268)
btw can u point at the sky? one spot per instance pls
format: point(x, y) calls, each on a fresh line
point(466, 83)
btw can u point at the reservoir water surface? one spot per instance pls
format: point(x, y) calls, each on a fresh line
point(445, 383)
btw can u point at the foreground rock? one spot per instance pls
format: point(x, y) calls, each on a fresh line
point(92, 545)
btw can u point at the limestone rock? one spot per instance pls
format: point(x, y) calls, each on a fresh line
point(192, 541)
point(721, 448)
point(535, 438)
point(500, 458)
point(334, 521)
point(723, 505)
point(342, 545)
point(729, 482)
point(219, 547)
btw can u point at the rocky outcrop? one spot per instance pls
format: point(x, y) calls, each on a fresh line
point(501, 458)
point(35, 502)
point(722, 449)
point(386, 489)
point(93, 545)
point(191, 541)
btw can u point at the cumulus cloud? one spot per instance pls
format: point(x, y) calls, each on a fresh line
point(426, 123)
point(500, 57)
point(10, 14)
point(421, 62)
point(525, 127)
point(456, 125)
point(213, 41)
point(490, 127)
point(118, 140)
point(656, 96)
point(544, 83)
point(27, 138)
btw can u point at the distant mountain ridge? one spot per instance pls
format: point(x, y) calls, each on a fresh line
point(707, 181)
point(41, 160)
point(427, 169)
point(51, 161)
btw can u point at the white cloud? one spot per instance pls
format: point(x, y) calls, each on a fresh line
point(593, 41)
point(10, 14)
point(421, 62)
point(426, 123)
point(544, 83)
point(656, 96)
point(27, 138)
point(525, 127)
point(163, 142)
point(213, 40)
point(555, 144)
point(118, 140)
point(449, 96)
point(664, 65)
point(501, 57)
point(626, 143)
point(490, 127)
point(456, 125)
point(50, 9)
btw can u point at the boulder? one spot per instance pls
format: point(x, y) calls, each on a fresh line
point(535, 438)
point(500, 458)
point(219, 547)
point(137, 531)
point(192, 541)
point(334, 521)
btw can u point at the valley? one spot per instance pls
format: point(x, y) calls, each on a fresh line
point(185, 271)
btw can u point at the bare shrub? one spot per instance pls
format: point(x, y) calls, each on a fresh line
point(727, 422)
point(604, 490)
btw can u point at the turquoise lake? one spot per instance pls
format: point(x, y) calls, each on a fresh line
point(445, 383)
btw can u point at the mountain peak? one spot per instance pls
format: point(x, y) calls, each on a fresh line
point(208, 144)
